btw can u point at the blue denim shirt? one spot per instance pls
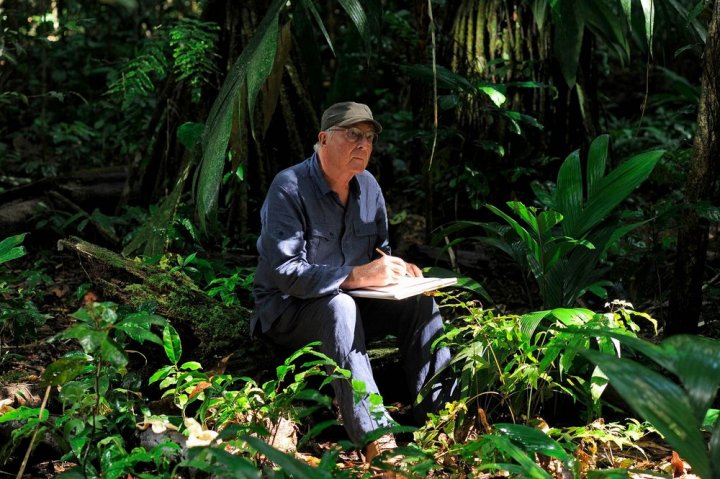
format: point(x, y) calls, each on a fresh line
point(309, 241)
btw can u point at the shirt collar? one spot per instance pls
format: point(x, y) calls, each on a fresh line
point(320, 181)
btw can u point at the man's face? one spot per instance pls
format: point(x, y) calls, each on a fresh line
point(343, 156)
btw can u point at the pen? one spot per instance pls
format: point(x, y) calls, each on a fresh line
point(382, 253)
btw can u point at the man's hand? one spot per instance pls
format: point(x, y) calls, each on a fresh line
point(380, 272)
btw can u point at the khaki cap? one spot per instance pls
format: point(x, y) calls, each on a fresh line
point(347, 113)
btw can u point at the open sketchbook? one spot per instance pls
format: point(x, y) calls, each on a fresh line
point(407, 287)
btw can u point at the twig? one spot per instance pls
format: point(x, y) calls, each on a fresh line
point(32, 440)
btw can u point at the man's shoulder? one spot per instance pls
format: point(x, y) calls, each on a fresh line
point(367, 179)
point(292, 175)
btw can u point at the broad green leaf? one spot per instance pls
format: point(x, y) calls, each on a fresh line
point(616, 187)
point(161, 373)
point(605, 23)
point(172, 344)
point(530, 321)
point(569, 194)
point(113, 353)
point(24, 413)
point(714, 446)
point(139, 330)
point(648, 7)
point(90, 339)
point(711, 418)
point(546, 220)
point(695, 360)
point(358, 16)
point(219, 463)
point(569, 27)
point(219, 123)
point(527, 214)
point(534, 441)
point(64, 370)
point(660, 402)
point(287, 462)
point(497, 97)
point(10, 248)
point(528, 468)
point(260, 65)
point(189, 133)
point(539, 9)
point(596, 163)
point(627, 9)
point(572, 316)
point(526, 238)
point(309, 6)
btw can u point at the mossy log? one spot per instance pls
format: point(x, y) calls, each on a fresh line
point(208, 329)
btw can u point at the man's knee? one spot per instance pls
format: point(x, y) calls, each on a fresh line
point(338, 316)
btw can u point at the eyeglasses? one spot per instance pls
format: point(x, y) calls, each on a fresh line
point(354, 135)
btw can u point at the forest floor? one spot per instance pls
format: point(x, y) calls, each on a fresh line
point(21, 365)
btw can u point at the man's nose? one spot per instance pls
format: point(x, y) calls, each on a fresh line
point(364, 141)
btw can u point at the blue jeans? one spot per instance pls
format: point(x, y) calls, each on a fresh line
point(344, 324)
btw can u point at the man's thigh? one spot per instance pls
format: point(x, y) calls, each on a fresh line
point(325, 319)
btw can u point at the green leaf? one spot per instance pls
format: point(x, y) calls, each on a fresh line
point(161, 373)
point(113, 353)
point(64, 370)
point(497, 97)
point(24, 413)
point(286, 462)
point(539, 9)
point(696, 362)
point(218, 126)
point(260, 65)
point(189, 133)
point(616, 187)
point(569, 27)
point(220, 463)
point(648, 7)
point(569, 194)
point(90, 339)
point(603, 20)
point(171, 343)
point(660, 402)
point(309, 5)
point(573, 316)
point(10, 248)
point(534, 441)
point(627, 9)
point(596, 163)
point(359, 18)
point(138, 328)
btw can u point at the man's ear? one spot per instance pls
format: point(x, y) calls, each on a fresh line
point(322, 138)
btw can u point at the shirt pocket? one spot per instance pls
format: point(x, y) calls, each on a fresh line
point(322, 245)
point(366, 235)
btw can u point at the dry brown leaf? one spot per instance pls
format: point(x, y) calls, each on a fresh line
point(678, 465)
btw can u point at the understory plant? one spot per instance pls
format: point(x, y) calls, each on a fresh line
point(19, 316)
point(562, 243)
point(677, 404)
point(513, 365)
point(98, 394)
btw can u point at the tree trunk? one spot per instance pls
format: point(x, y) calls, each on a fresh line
point(686, 295)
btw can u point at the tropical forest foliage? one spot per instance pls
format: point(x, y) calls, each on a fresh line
point(560, 157)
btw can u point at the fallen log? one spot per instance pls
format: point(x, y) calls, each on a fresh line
point(209, 329)
point(82, 192)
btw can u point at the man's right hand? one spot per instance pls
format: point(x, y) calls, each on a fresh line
point(380, 272)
